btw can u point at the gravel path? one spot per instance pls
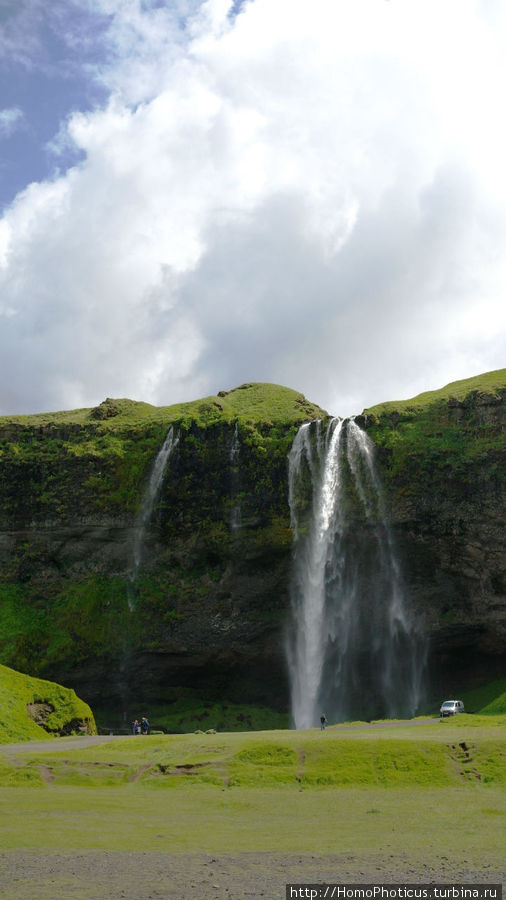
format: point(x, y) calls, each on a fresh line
point(70, 743)
point(157, 876)
point(64, 743)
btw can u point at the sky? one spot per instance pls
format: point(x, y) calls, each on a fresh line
point(195, 194)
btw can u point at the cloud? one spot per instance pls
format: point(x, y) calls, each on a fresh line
point(270, 193)
point(11, 119)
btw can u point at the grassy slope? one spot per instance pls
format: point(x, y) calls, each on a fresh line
point(489, 699)
point(390, 789)
point(383, 755)
point(488, 384)
point(18, 690)
point(258, 403)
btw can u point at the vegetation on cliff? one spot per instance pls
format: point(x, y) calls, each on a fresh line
point(455, 436)
point(34, 709)
point(442, 458)
point(204, 611)
point(71, 486)
point(97, 459)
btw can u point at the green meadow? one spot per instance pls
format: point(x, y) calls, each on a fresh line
point(419, 789)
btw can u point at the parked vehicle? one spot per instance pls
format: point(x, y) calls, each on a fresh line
point(451, 708)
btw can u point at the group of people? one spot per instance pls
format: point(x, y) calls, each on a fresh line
point(142, 727)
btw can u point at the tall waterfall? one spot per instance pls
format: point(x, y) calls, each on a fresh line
point(354, 649)
point(234, 459)
point(148, 504)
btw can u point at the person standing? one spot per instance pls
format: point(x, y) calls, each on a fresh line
point(136, 727)
point(323, 722)
point(144, 725)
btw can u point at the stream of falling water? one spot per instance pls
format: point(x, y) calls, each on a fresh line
point(147, 507)
point(234, 459)
point(354, 648)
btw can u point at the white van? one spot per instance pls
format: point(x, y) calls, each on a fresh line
point(451, 708)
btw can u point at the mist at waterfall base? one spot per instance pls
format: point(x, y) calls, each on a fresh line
point(354, 648)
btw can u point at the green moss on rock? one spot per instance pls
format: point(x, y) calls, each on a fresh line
point(34, 709)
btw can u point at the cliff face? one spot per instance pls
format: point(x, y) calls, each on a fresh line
point(207, 603)
point(443, 462)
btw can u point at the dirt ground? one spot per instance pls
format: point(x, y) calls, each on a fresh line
point(29, 875)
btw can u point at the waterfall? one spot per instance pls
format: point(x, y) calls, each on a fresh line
point(354, 648)
point(148, 503)
point(234, 455)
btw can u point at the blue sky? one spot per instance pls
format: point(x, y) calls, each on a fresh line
point(48, 53)
point(198, 193)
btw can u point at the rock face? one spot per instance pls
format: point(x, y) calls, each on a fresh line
point(210, 598)
point(208, 602)
point(444, 466)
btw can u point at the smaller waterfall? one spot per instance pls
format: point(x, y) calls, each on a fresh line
point(353, 646)
point(234, 458)
point(147, 507)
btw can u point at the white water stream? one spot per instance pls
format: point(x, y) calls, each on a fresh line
point(148, 504)
point(234, 459)
point(354, 649)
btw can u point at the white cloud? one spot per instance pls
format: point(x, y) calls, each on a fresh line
point(313, 196)
point(11, 119)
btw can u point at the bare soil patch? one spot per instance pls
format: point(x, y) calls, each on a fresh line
point(164, 876)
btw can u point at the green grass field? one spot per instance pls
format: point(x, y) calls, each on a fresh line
point(420, 823)
point(370, 789)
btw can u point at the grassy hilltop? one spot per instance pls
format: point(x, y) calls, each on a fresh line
point(257, 403)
